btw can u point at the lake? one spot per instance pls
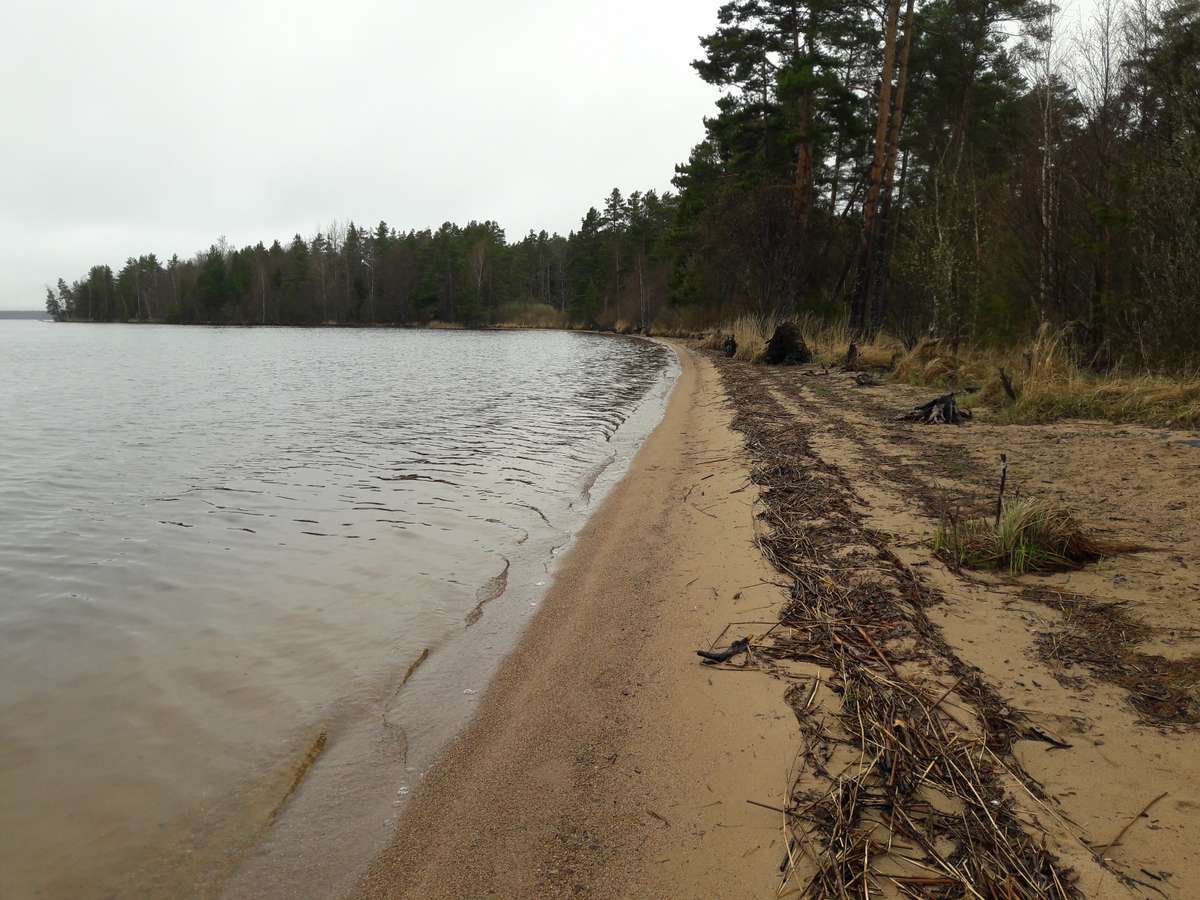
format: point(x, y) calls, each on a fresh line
point(252, 579)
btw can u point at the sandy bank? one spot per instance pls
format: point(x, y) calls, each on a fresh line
point(604, 760)
point(1082, 688)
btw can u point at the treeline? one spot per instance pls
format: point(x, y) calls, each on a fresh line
point(969, 168)
point(610, 269)
point(966, 168)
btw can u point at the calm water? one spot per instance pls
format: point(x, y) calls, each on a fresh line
point(222, 549)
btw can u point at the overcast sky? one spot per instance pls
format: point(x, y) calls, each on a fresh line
point(133, 126)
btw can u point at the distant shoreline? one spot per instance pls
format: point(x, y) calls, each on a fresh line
point(434, 324)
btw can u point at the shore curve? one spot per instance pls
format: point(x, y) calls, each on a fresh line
point(604, 759)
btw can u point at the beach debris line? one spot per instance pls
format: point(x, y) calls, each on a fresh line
point(900, 782)
point(1103, 638)
point(719, 656)
point(943, 410)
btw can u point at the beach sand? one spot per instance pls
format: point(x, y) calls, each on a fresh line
point(606, 761)
point(605, 758)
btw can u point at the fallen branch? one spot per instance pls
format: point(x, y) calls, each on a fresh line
point(720, 656)
point(1120, 834)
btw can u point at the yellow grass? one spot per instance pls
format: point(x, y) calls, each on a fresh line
point(530, 315)
point(1031, 536)
point(1051, 385)
point(827, 340)
point(1046, 375)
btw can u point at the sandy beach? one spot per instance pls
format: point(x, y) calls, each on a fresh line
point(606, 761)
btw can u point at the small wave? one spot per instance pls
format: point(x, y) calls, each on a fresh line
point(490, 590)
point(589, 481)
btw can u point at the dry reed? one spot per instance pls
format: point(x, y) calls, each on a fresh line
point(1031, 535)
point(893, 793)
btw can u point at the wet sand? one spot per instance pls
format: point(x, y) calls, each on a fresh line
point(605, 759)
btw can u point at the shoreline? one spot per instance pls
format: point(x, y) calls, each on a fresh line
point(603, 757)
point(605, 761)
point(429, 707)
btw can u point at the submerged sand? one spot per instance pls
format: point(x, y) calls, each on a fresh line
point(606, 761)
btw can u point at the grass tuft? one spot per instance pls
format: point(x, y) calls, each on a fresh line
point(1032, 536)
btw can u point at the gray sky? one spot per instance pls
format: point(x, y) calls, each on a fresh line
point(149, 125)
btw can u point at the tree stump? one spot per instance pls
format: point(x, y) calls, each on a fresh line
point(729, 345)
point(941, 410)
point(851, 362)
point(786, 347)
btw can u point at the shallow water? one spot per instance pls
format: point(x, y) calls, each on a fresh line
point(221, 550)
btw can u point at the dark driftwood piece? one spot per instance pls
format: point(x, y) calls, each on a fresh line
point(786, 347)
point(1007, 384)
point(729, 345)
point(941, 410)
point(719, 656)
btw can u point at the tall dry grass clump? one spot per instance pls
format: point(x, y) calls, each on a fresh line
point(1050, 383)
point(530, 315)
point(752, 331)
point(830, 340)
point(827, 339)
point(1046, 376)
point(1030, 536)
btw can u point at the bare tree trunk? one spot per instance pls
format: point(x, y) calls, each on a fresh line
point(877, 286)
point(859, 321)
point(642, 289)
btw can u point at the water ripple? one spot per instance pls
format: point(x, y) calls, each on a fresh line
point(210, 538)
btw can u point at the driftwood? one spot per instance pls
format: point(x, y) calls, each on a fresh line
point(941, 410)
point(1007, 384)
point(729, 345)
point(786, 347)
point(719, 656)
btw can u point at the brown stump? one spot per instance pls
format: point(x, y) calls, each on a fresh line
point(786, 347)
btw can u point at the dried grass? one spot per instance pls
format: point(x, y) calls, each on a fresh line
point(752, 331)
point(530, 315)
point(1051, 384)
point(893, 795)
point(1032, 535)
point(827, 339)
